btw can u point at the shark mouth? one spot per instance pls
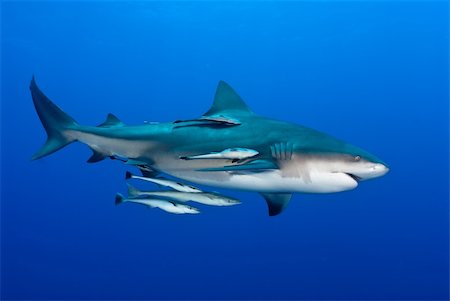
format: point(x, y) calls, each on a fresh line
point(354, 177)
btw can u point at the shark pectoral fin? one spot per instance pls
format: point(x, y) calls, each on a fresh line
point(256, 165)
point(111, 121)
point(276, 202)
point(97, 156)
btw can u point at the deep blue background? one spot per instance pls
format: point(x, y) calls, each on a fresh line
point(372, 73)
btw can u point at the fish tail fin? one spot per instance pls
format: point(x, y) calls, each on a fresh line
point(128, 175)
point(54, 120)
point(133, 191)
point(119, 199)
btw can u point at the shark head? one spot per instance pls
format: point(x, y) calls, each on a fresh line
point(359, 166)
point(334, 165)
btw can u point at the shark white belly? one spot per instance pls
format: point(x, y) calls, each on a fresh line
point(272, 181)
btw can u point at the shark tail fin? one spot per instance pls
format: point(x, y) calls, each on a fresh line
point(54, 120)
point(133, 191)
point(119, 199)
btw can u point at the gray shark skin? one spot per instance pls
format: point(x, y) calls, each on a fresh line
point(290, 158)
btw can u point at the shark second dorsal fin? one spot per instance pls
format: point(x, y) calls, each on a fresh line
point(228, 101)
point(276, 202)
point(111, 121)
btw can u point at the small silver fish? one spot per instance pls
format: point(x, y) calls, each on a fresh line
point(165, 182)
point(168, 206)
point(212, 199)
point(234, 154)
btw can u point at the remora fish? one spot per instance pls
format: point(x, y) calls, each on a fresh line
point(206, 198)
point(165, 205)
point(291, 158)
point(164, 182)
point(230, 154)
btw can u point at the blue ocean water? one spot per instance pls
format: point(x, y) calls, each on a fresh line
point(372, 73)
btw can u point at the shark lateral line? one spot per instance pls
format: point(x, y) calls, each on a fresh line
point(165, 205)
point(290, 158)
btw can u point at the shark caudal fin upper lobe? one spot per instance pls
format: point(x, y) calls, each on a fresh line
point(54, 120)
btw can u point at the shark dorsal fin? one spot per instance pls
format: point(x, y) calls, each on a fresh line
point(227, 101)
point(111, 120)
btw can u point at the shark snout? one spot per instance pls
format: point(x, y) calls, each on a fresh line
point(375, 170)
point(380, 168)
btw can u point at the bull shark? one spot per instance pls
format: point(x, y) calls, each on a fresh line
point(285, 158)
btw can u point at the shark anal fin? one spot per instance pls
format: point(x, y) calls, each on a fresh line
point(96, 156)
point(111, 121)
point(255, 165)
point(276, 202)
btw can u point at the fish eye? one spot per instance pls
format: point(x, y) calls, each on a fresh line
point(357, 158)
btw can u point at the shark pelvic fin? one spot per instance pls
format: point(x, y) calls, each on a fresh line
point(227, 100)
point(97, 156)
point(276, 202)
point(111, 121)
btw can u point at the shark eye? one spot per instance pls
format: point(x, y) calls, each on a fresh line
point(357, 158)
